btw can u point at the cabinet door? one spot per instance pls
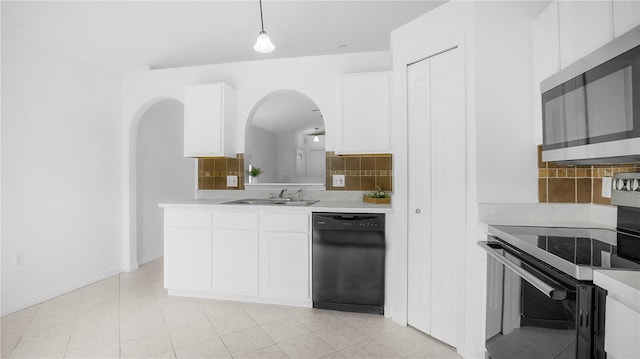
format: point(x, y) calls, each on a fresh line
point(584, 27)
point(209, 120)
point(187, 258)
point(622, 330)
point(235, 262)
point(363, 105)
point(284, 265)
point(626, 15)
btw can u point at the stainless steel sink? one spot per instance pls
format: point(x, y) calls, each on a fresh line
point(270, 202)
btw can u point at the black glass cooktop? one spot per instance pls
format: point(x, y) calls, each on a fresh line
point(575, 251)
point(578, 250)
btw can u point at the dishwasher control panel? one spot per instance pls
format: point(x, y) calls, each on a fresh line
point(349, 221)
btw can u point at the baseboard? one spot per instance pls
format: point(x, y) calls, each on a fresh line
point(45, 297)
point(305, 303)
point(151, 257)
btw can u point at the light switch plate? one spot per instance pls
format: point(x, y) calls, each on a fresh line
point(338, 180)
point(606, 187)
point(232, 181)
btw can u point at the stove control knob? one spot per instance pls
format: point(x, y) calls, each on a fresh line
point(635, 184)
point(620, 184)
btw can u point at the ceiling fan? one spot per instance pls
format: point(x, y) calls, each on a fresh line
point(316, 134)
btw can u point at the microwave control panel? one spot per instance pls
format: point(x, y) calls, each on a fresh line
point(625, 189)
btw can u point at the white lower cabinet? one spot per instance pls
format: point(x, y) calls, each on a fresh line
point(285, 265)
point(622, 331)
point(188, 258)
point(235, 262)
point(257, 256)
point(284, 255)
point(235, 252)
point(187, 250)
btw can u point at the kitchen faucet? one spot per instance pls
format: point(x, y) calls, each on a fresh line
point(282, 193)
point(299, 193)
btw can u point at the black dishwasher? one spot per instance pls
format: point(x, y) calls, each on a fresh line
point(348, 262)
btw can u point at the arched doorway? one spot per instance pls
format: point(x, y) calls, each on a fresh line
point(161, 173)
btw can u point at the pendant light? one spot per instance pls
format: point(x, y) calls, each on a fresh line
point(263, 43)
point(316, 137)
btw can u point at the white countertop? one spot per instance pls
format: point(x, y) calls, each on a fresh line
point(621, 285)
point(548, 215)
point(321, 206)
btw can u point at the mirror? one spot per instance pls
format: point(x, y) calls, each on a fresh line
point(285, 138)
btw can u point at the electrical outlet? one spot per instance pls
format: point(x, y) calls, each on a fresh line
point(338, 180)
point(232, 181)
point(606, 187)
point(19, 258)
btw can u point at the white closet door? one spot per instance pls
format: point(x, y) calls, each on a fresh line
point(437, 137)
point(448, 185)
point(419, 244)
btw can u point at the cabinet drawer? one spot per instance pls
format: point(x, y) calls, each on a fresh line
point(236, 220)
point(285, 222)
point(186, 218)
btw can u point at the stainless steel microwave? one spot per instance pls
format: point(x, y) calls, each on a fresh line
point(591, 108)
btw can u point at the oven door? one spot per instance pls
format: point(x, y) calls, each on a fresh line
point(531, 311)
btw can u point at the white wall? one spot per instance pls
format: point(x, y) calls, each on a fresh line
point(501, 163)
point(162, 173)
point(61, 173)
point(507, 151)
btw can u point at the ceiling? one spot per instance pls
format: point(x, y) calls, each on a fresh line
point(122, 36)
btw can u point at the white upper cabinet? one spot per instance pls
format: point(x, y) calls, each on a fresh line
point(584, 27)
point(626, 15)
point(209, 120)
point(363, 113)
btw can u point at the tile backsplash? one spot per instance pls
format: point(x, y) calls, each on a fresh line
point(213, 172)
point(575, 184)
point(363, 172)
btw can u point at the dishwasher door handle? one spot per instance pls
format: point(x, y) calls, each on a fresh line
point(546, 289)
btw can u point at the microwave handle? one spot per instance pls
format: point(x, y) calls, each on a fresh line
point(546, 289)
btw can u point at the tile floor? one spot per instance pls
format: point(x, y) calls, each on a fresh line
point(130, 315)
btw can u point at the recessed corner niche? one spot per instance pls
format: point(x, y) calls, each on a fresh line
point(285, 138)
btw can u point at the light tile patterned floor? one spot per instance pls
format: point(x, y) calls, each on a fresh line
point(131, 316)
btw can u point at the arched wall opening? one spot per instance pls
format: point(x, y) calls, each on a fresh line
point(285, 137)
point(159, 173)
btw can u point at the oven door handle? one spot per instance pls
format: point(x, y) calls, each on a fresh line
point(548, 290)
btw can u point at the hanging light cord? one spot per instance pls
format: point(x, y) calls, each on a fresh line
point(261, 21)
point(263, 42)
